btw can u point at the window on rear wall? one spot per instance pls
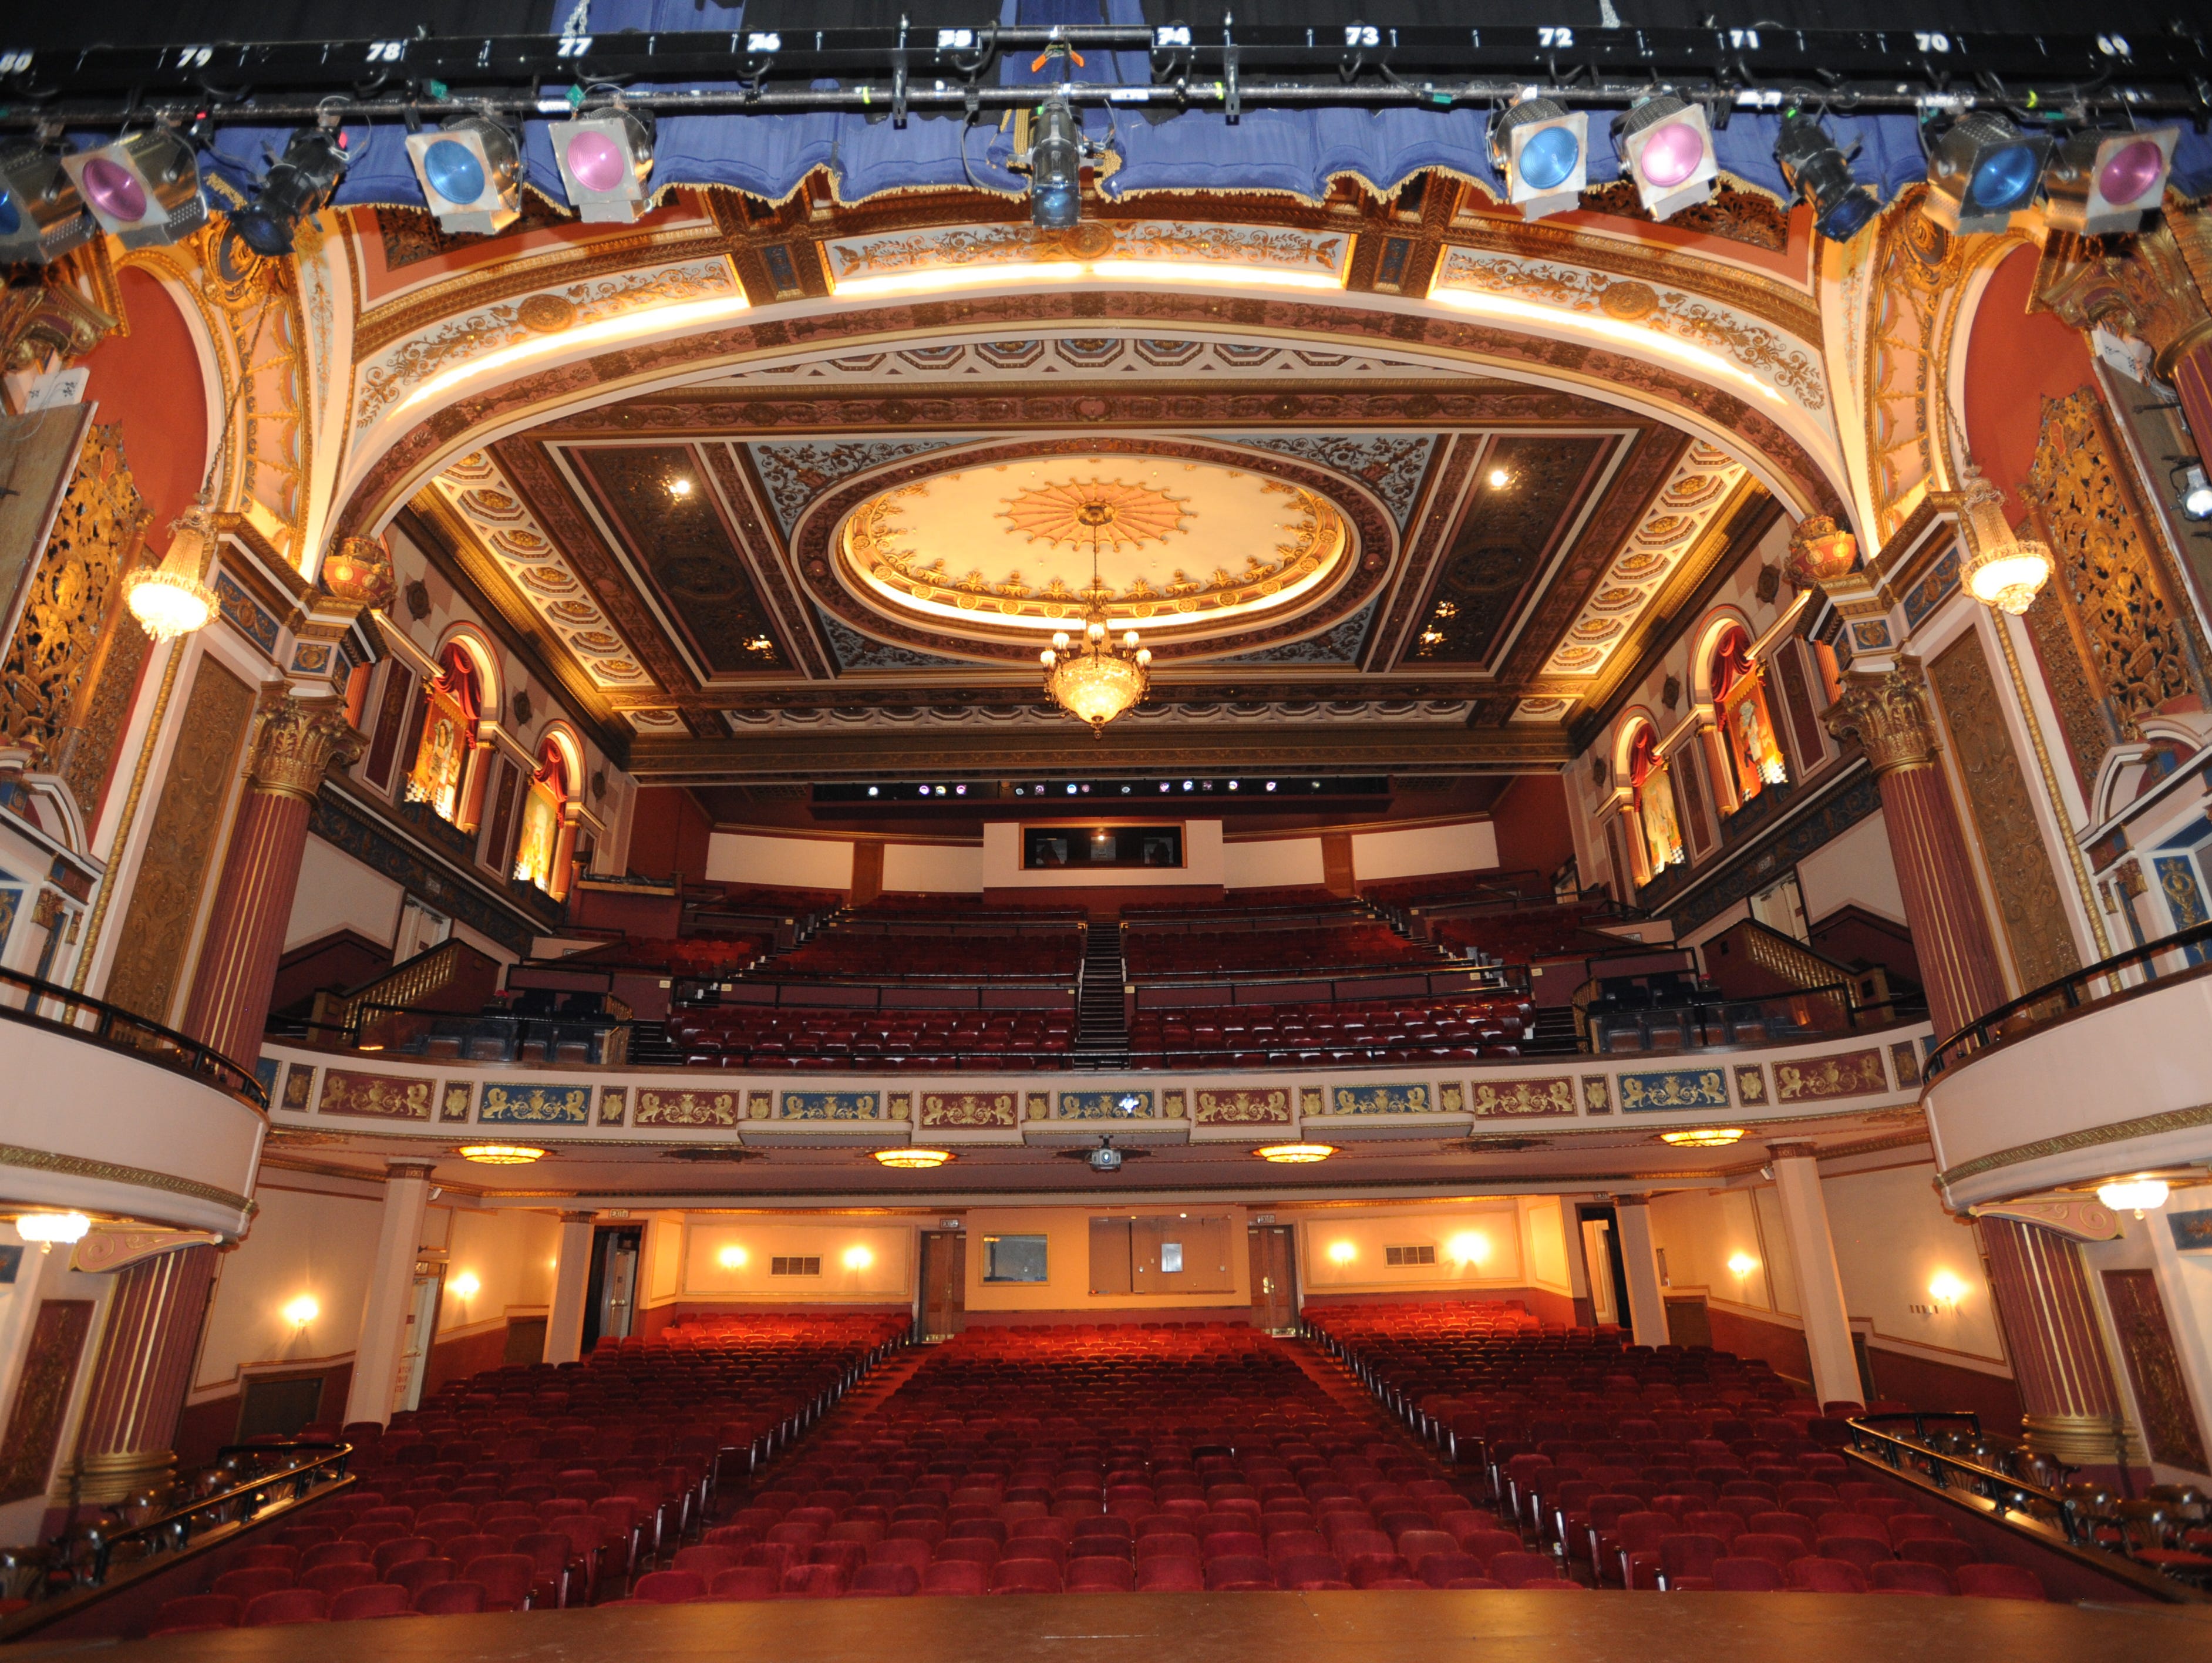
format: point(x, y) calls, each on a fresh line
point(1747, 727)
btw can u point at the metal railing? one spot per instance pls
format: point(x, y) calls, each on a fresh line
point(1811, 1013)
point(2185, 951)
point(46, 1004)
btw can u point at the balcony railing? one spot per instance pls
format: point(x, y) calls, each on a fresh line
point(46, 1004)
point(2187, 952)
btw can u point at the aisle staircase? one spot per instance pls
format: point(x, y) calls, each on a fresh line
point(1101, 1023)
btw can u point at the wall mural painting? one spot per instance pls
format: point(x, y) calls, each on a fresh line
point(2003, 816)
point(1674, 1088)
point(376, 1096)
point(42, 1396)
point(2155, 1370)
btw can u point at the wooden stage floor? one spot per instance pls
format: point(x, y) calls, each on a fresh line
point(1393, 1627)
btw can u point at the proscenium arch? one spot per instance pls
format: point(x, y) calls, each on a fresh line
point(398, 461)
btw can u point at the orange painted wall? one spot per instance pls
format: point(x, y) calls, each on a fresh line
point(150, 381)
point(2015, 359)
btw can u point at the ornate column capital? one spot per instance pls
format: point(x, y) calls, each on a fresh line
point(1887, 714)
point(300, 740)
point(2152, 292)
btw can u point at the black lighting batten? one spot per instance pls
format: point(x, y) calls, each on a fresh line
point(952, 71)
point(1089, 796)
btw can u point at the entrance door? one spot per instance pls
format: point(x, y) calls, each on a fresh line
point(944, 1284)
point(610, 1300)
point(1597, 1259)
point(421, 1333)
point(1688, 1321)
point(1274, 1278)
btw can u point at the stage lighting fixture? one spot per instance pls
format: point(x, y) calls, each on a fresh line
point(297, 184)
point(1542, 149)
point(1055, 166)
point(1820, 174)
point(1668, 148)
point(604, 160)
point(145, 187)
point(1982, 172)
point(2100, 184)
point(469, 168)
point(41, 216)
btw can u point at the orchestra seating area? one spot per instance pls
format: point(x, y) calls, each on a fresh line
point(1353, 1030)
point(536, 1487)
point(784, 1036)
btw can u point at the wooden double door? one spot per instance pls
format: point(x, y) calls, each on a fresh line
point(1274, 1278)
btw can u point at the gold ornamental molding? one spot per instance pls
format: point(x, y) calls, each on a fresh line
point(301, 741)
point(109, 1171)
point(2117, 1132)
point(1888, 716)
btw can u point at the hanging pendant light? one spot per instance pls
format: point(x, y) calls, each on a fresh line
point(169, 600)
point(1097, 679)
point(2003, 571)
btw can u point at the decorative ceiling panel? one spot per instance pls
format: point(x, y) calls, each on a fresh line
point(539, 569)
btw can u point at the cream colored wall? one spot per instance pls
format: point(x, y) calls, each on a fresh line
point(934, 868)
point(1892, 1240)
point(1270, 863)
point(508, 1251)
point(1067, 1231)
point(1700, 1230)
point(1543, 1249)
point(337, 892)
point(799, 863)
point(312, 1236)
point(660, 1280)
point(1854, 869)
point(1499, 1225)
point(1470, 846)
point(1202, 856)
point(41, 1277)
point(887, 1278)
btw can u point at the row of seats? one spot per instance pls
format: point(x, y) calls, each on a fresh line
point(1153, 951)
point(1522, 936)
point(1027, 955)
point(708, 958)
point(1374, 1030)
point(782, 1036)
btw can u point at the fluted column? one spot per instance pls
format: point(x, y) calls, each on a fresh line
point(1888, 716)
point(2070, 1403)
point(298, 741)
point(1819, 1282)
point(391, 1299)
point(572, 1279)
point(1647, 1303)
point(128, 1442)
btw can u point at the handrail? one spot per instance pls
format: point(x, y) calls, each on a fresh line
point(2069, 993)
point(117, 1030)
point(2016, 1503)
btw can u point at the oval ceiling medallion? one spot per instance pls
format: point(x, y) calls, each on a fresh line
point(1184, 551)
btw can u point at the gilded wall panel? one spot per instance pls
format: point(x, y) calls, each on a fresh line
point(181, 844)
point(2133, 636)
point(57, 649)
point(2004, 821)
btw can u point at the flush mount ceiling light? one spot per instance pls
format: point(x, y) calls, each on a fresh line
point(500, 1155)
point(1295, 1155)
point(1702, 1137)
point(914, 1159)
point(2135, 1195)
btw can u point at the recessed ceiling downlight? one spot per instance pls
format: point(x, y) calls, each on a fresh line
point(1295, 1155)
point(500, 1155)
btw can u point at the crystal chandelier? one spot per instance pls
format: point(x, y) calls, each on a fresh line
point(2003, 570)
point(1097, 680)
point(169, 600)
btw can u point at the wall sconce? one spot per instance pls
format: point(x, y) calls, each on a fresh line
point(858, 1258)
point(1946, 1291)
point(1742, 1264)
point(1470, 1248)
point(732, 1258)
point(2136, 1195)
point(48, 1227)
point(302, 1311)
point(1342, 1252)
point(464, 1285)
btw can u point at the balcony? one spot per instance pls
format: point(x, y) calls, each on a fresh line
point(2098, 1075)
point(103, 1111)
